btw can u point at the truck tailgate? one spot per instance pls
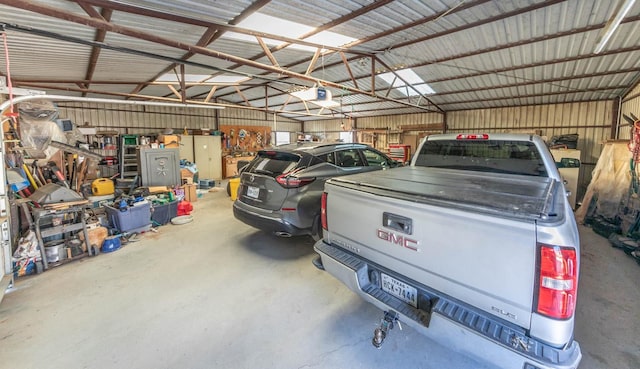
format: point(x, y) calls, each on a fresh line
point(485, 261)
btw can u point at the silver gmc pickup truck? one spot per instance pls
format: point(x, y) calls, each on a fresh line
point(474, 245)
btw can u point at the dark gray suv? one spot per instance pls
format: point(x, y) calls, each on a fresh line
point(280, 189)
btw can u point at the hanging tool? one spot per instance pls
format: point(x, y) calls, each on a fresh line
point(41, 175)
point(54, 168)
point(29, 176)
point(75, 150)
point(36, 176)
point(628, 119)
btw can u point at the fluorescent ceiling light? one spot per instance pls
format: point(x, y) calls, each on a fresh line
point(172, 77)
point(222, 79)
point(276, 26)
point(305, 94)
point(326, 103)
point(613, 24)
point(195, 78)
point(412, 78)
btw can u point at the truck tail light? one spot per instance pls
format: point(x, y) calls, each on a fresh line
point(557, 281)
point(287, 181)
point(323, 211)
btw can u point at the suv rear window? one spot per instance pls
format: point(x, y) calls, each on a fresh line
point(513, 157)
point(273, 163)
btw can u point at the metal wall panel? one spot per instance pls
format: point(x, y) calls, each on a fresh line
point(326, 125)
point(391, 122)
point(326, 129)
point(591, 120)
point(630, 105)
point(153, 119)
point(329, 130)
point(293, 127)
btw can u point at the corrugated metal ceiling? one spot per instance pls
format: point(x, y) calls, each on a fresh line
point(475, 54)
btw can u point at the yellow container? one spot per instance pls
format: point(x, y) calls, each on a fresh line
point(102, 187)
point(234, 183)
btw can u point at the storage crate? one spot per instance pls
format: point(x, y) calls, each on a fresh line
point(162, 214)
point(206, 183)
point(133, 218)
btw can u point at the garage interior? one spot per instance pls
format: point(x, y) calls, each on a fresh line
point(213, 83)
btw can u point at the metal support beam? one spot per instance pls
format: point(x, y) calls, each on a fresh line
point(183, 90)
point(210, 94)
point(99, 37)
point(211, 34)
point(312, 63)
point(127, 31)
point(267, 52)
point(346, 65)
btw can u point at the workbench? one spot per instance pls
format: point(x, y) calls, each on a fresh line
point(75, 212)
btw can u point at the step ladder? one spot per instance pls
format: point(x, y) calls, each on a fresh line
point(128, 162)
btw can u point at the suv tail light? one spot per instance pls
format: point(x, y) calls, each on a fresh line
point(323, 211)
point(557, 281)
point(287, 181)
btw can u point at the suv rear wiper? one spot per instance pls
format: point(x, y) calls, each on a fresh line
point(263, 171)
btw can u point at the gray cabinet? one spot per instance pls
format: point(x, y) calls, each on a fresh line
point(186, 148)
point(159, 167)
point(208, 156)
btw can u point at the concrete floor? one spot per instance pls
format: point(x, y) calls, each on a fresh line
point(218, 294)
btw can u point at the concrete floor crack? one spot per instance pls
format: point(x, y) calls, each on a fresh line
point(321, 358)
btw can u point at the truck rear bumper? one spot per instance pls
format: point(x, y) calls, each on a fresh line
point(459, 327)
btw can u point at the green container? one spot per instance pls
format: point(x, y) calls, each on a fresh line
point(130, 139)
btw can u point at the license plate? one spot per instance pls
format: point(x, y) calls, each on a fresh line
point(253, 192)
point(400, 290)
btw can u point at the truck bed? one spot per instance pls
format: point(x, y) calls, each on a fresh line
point(503, 195)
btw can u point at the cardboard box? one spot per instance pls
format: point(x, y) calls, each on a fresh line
point(168, 140)
point(186, 173)
point(190, 193)
point(201, 132)
point(159, 189)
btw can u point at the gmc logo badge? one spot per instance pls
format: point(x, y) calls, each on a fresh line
point(395, 239)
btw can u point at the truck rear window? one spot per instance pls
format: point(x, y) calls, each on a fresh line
point(512, 157)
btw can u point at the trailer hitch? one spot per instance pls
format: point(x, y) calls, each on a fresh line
point(386, 324)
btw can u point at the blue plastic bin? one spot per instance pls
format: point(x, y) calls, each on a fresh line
point(162, 214)
point(135, 217)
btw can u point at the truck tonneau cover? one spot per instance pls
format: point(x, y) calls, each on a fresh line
point(504, 195)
